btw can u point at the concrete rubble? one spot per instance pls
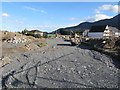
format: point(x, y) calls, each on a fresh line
point(17, 40)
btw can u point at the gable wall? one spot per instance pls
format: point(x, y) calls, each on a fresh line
point(95, 34)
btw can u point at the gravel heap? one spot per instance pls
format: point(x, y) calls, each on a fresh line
point(61, 66)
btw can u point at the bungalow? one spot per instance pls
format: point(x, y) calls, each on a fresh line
point(35, 32)
point(102, 31)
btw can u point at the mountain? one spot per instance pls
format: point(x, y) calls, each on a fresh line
point(114, 22)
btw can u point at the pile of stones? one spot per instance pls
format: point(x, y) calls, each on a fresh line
point(16, 40)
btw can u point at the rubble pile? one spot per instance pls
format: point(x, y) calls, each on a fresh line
point(16, 40)
point(110, 46)
point(14, 37)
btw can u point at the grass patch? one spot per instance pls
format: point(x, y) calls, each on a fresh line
point(116, 48)
point(41, 44)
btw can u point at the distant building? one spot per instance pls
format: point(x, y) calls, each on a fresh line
point(35, 32)
point(58, 35)
point(51, 35)
point(102, 31)
point(45, 34)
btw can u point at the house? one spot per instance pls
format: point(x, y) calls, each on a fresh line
point(102, 31)
point(98, 31)
point(45, 34)
point(35, 32)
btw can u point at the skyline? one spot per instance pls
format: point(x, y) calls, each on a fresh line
point(49, 16)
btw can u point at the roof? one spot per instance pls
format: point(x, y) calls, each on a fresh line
point(45, 32)
point(87, 30)
point(99, 28)
point(35, 31)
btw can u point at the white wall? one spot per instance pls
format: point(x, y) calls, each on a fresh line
point(117, 34)
point(95, 34)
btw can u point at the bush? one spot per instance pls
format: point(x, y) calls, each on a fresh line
point(30, 34)
point(27, 33)
point(37, 35)
point(34, 35)
point(45, 36)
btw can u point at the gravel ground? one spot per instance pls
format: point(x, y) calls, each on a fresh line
point(60, 65)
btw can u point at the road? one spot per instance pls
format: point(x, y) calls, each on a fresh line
point(60, 65)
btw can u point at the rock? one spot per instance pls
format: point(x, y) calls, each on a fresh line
point(79, 72)
point(84, 67)
point(4, 61)
point(75, 60)
point(53, 47)
point(43, 52)
point(58, 69)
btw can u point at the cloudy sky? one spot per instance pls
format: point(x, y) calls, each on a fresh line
point(49, 16)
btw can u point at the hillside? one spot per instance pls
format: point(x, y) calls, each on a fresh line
point(87, 25)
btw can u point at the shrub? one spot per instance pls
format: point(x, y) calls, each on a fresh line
point(37, 35)
point(34, 35)
point(29, 34)
point(45, 36)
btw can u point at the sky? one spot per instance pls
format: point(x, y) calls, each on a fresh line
point(49, 16)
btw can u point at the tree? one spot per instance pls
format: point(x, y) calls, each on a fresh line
point(65, 32)
point(24, 31)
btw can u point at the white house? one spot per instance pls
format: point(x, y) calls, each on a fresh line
point(117, 34)
point(102, 31)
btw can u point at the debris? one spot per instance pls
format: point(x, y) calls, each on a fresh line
point(4, 61)
point(104, 42)
point(58, 69)
point(31, 46)
point(16, 40)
